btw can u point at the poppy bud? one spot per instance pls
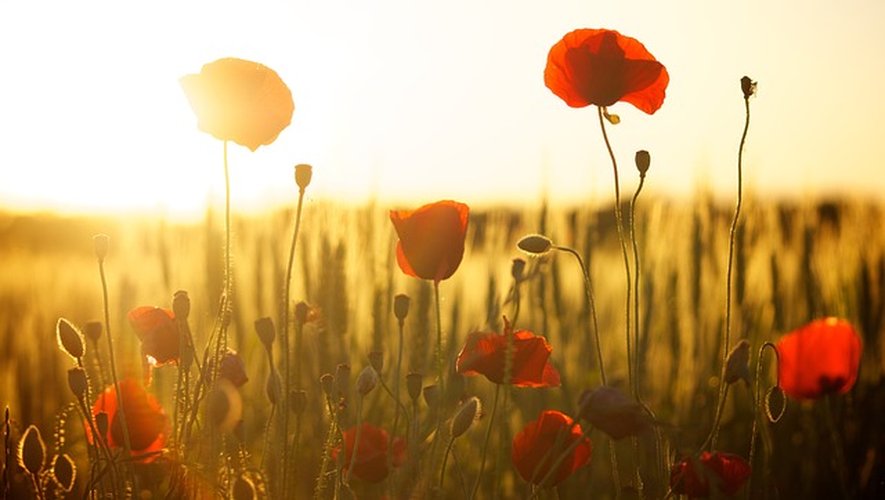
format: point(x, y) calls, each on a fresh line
point(517, 269)
point(376, 359)
point(101, 243)
point(298, 401)
point(413, 384)
point(244, 489)
point(101, 423)
point(748, 86)
point(233, 368)
point(431, 395)
point(266, 333)
point(535, 244)
point(69, 338)
point(401, 306)
point(464, 418)
point(775, 404)
point(342, 379)
point(31, 451)
point(736, 365)
point(303, 174)
point(93, 330)
point(77, 382)
point(64, 472)
point(643, 160)
point(327, 382)
point(301, 312)
point(613, 412)
point(366, 381)
point(181, 305)
point(273, 387)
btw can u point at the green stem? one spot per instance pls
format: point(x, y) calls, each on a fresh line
point(107, 321)
point(591, 302)
point(485, 445)
point(620, 224)
point(726, 338)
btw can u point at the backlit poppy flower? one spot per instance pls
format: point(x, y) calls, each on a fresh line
point(158, 332)
point(233, 368)
point(485, 353)
point(145, 419)
point(693, 476)
point(537, 447)
point(241, 101)
point(820, 358)
point(431, 239)
point(371, 459)
point(602, 67)
point(613, 412)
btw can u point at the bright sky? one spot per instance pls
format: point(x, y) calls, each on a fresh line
point(421, 100)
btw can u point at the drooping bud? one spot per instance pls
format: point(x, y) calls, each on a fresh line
point(181, 305)
point(92, 330)
point(465, 416)
point(327, 382)
point(101, 242)
point(643, 160)
point(298, 401)
point(748, 86)
point(737, 363)
point(401, 306)
point(376, 359)
point(266, 332)
point(303, 174)
point(612, 118)
point(69, 338)
point(366, 381)
point(77, 382)
point(64, 472)
point(535, 244)
point(775, 404)
point(32, 451)
point(517, 269)
point(413, 385)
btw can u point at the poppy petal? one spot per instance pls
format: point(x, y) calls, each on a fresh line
point(431, 239)
point(820, 358)
point(537, 446)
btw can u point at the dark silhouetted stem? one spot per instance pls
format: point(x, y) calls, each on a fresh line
point(485, 444)
point(116, 382)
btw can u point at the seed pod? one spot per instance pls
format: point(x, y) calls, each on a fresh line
point(303, 174)
point(517, 269)
point(69, 338)
point(401, 306)
point(92, 329)
point(327, 382)
point(32, 451)
point(181, 305)
point(535, 244)
point(376, 359)
point(464, 418)
point(233, 368)
point(775, 404)
point(266, 331)
point(64, 472)
point(737, 363)
point(101, 423)
point(643, 160)
point(77, 382)
point(748, 87)
point(101, 242)
point(413, 385)
point(302, 311)
point(298, 401)
point(366, 381)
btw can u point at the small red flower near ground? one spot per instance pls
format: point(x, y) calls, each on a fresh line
point(602, 67)
point(158, 332)
point(371, 460)
point(693, 476)
point(241, 101)
point(485, 353)
point(540, 443)
point(820, 358)
point(431, 239)
point(145, 419)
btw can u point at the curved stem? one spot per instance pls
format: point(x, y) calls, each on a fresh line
point(591, 302)
point(756, 383)
point(442, 472)
point(485, 445)
point(107, 321)
point(620, 224)
point(636, 322)
point(726, 338)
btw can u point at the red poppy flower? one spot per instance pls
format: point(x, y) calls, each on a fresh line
point(241, 101)
point(692, 476)
point(431, 239)
point(540, 443)
point(145, 419)
point(485, 353)
point(602, 67)
point(371, 460)
point(820, 358)
point(158, 332)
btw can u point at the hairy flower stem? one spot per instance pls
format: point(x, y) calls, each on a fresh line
point(356, 443)
point(107, 321)
point(442, 471)
point(440, 368)
point(726, 337)
point(485, 444)
point(591, 302)
point(756, 416)
point(620, 223)
point(632, 222)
